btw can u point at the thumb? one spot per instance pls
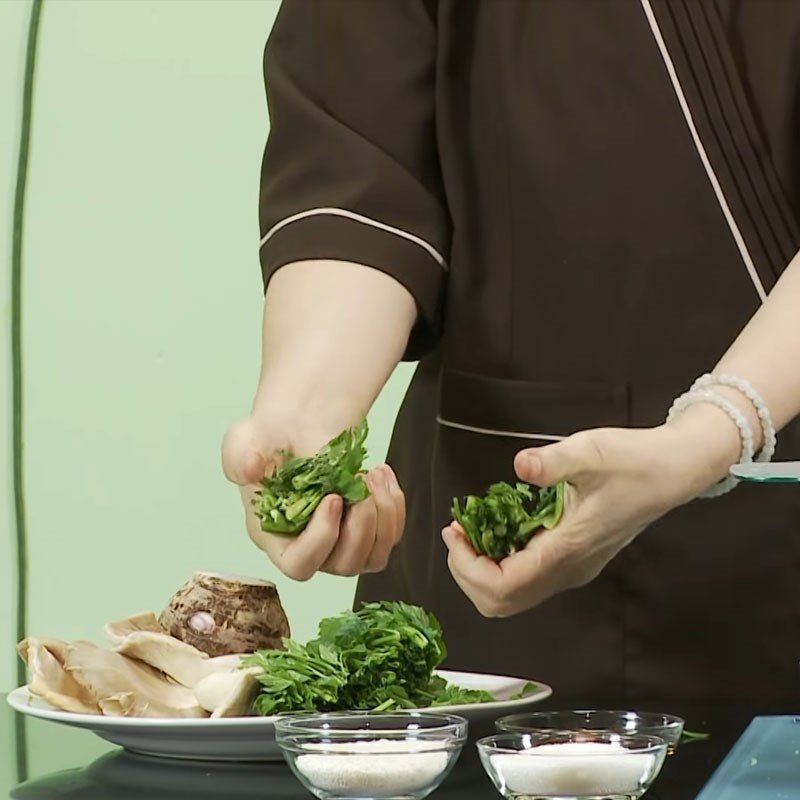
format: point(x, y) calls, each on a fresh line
point(242, 459)
point(458, 544)
point(546, 466)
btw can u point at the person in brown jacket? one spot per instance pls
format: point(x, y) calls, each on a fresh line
point(566, 212)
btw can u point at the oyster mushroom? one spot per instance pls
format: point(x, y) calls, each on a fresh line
point(127, 686)
point(225, 614)
point(146, 621)
point(49, 679)
point(228, 694)
point(136, 637)
point(82, 677)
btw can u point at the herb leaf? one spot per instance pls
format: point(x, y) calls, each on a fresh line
point(299, 678)
point(504, 519)
point(693, 736)
point(292, 493)
point(378, 658)
point(528, 689)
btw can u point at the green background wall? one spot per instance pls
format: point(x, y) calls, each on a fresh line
point(142, 302)
point(13, 22)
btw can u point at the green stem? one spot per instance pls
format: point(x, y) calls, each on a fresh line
point(693, 736)
point(16, 362)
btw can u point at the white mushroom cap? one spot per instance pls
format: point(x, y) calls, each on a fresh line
point(145, 621)
point(50, 680)
point(127, 686)
point(142, 638)
point(84, 678)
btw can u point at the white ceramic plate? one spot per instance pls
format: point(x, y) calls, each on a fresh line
point(249, 738)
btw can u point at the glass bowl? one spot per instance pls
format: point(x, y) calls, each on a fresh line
point(579, 765)
point(630, 723)
point(371, 755)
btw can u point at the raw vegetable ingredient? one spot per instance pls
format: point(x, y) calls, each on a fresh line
point(227, 694)
point(146, 674)
point(506, 517)
point(141, 638)
point(223, 614)
point(378, 658)
point(693, 736)
point(80, 676)
point(149, 673)
point(292, 493)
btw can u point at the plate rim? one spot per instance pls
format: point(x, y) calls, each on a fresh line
point(19, 700)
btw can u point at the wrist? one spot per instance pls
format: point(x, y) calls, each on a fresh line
point(703, 443)
point(309, 413)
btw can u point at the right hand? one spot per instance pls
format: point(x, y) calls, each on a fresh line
point(339, 541)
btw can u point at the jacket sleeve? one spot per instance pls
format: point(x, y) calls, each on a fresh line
point(350, 170)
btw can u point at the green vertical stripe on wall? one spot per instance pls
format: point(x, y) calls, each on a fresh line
point(16, 360)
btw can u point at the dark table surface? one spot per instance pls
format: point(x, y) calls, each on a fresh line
point(43, 760)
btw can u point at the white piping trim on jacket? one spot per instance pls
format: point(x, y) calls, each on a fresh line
point(343, 212)
point(723, 203)
point(548, 437)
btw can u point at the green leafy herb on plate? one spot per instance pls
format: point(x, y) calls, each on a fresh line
point(528, 689)
point(379, 658)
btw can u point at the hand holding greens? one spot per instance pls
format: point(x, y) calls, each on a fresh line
point(292, 493)
point(379, 658)
point(506, 517)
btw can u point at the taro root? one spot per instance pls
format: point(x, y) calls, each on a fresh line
point(226, 614)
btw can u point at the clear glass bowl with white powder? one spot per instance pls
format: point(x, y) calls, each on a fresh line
point(371, 755)
point(572, 765)
point(630, 723)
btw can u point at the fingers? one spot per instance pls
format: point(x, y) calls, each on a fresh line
point(371, 528)
point(301, 556)
point(298, 557)
point(566, 460)
point(341, 543)
point(472, 572)
point(518, 582)
point(306, 553)
point(462, 561)
point(242, 461)
point(356, 540)
point(399, 500)
point(390, 505)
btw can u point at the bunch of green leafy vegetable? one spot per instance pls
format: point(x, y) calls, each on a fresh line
point(292, 493)
point(504, 519)
point(380, 657)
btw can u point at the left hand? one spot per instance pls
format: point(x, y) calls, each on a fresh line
point(619, 481)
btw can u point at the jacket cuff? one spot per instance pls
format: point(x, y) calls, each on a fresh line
point(343, 236)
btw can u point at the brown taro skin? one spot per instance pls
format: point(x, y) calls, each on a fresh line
point(226, 614)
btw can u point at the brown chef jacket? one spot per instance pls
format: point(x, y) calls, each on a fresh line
point(587, 199)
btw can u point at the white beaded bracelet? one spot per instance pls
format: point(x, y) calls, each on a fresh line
point(745, 432)
point(769, 436)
